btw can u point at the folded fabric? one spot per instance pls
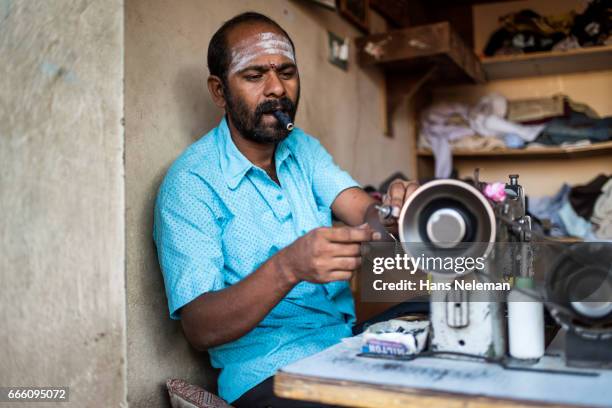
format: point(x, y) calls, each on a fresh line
point(602, 212)
point(603, 206)
point(583, 197)
point(487, 119)
point(527, 31)
point(574, 128)
point(438, 132)
point(568, 43)
point(446, 123)
point(477, 142)
point(513, 141)
point(547, 208)
point(566, 222)
point(575, 225)
point(594, 25)
point(603, 231)
point(565, 145)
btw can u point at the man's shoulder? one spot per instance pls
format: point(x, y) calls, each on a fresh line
point(198, 163)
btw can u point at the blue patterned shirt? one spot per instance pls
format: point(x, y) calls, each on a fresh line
point(218, 217)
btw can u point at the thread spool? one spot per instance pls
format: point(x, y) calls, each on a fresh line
point(525, 323)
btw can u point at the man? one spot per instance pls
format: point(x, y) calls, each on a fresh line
point(251, 264)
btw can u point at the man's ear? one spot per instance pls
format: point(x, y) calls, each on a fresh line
point(216, 89)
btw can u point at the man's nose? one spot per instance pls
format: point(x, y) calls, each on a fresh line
point(274, 86)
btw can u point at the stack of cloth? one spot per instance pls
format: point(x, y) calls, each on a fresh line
point(583, 211)
point(449, 126)
point(566, 122)
point(495, 123)
point(527, 31)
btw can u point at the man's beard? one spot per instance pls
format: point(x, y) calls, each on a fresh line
point(249, 123)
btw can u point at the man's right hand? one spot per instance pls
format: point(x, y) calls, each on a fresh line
point(325, 254)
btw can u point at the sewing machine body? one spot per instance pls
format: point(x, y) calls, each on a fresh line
point(462, 323)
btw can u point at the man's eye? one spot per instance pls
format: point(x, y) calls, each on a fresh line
point(287, 74)
point(253, 77)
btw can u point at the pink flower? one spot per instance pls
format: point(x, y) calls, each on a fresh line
point(495, 192)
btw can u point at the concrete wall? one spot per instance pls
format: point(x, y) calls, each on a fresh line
point(168, 108)
point(62, 314)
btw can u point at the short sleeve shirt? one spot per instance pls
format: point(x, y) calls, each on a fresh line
point(218, 217)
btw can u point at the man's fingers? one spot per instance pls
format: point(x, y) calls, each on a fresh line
point(338, 250)
point(410, 188)
point(346, 263)
point(350, 234)
point(397, 191)
point(386, 200)
point(339, 276)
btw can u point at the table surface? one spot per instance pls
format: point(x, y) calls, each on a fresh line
point(338, 376)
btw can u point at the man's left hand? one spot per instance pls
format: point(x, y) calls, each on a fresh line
point(397, 194)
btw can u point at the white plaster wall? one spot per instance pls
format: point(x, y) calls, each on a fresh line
point(168, 108)
point(62, 314)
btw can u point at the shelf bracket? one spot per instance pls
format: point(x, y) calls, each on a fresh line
point(398, 89)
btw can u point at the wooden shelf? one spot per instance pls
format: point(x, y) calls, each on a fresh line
point(548, 63)
point(414, 56)
point(531, 153)
point(415, 50)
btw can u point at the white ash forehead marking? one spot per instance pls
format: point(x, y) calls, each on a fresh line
point(261, 44)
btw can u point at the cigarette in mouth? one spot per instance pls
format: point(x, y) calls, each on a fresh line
point(284, 119)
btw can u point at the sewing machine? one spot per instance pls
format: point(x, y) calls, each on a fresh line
point(455, 218)
point(451, 217)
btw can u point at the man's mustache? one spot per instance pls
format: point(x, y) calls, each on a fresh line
point(285, 104)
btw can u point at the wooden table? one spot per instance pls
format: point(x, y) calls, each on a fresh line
point(338, 376)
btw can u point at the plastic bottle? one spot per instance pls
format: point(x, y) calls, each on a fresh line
point(525, 322)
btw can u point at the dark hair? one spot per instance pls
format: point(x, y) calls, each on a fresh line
point(218, 52)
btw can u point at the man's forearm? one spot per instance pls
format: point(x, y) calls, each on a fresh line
point(219, 317)
point(351, 204)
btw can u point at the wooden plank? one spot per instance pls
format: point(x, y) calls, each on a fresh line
point(548, 63)
point(416, 49)
point(538, 177)
point(405, 44)
point(363, 395)
point(594, 149)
